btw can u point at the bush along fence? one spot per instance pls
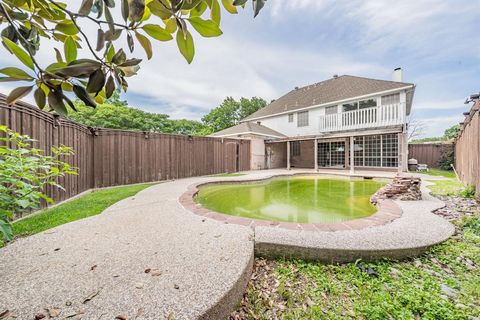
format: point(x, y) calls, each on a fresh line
point(106, 157)
point(467, 149)
point(435, 155)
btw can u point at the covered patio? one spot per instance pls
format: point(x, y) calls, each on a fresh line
point(385, 151)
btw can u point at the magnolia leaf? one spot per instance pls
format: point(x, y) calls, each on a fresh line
point(185, 45)
point(136, 9)
point(257, 6)
point(55, 101)
point(70, 48)
point(239, 2)
point(78, 68)
point(131, 44)
point(215, 11)
point(67, 27)
point(18, 93)
point(16, 73)
point(110, 53)
point(96, 81)
point(109, 87)
point(85, 8)
point(83, 95)
point(228, 5)
point(40, 98)
point(100, 39)
point(125, 10)
point(109, 18)
point(58, 55)
point(157, 32)
point(111, 36)
point(119, 57)
point(206, 28)
point(145, 43)
point(21, 54)
point(128, 72)
point(190, 4)
point(198, 10)
point(160, 9)
point(10, 79)
point(131, 62)
point(171, 25)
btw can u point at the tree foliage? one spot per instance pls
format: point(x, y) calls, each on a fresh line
point(94, 78)
point(452, 132)
point(230, 112)
point(115, 114)
point(24, 173)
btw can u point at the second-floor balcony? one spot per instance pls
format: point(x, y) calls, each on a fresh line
point(381, 116)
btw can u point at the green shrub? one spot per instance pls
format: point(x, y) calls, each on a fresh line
point(24, 173)
point(468, 192)
point(447, 159)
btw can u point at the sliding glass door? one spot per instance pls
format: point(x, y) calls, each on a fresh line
point(331, 154)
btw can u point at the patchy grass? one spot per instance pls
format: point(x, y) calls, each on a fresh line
point(444, 283)
point(229, 174)
point(412, 289)
point(447, 187)
point(439, 172)
point(88, 205)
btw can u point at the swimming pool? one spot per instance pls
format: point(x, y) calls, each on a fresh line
point(299, 199)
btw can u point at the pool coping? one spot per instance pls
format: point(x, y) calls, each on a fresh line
point(387, 211)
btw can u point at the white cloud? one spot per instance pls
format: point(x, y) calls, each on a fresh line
point(435, 127)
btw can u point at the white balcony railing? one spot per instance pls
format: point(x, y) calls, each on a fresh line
point(386, 115)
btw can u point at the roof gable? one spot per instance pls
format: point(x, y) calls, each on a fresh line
point(248, 128)
point(331, 90)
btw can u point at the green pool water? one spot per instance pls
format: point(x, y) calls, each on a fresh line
point(302, 199)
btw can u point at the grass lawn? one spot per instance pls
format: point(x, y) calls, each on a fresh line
point(229, 174)
point(88, 205)
point(439, 172)
point(444, 283)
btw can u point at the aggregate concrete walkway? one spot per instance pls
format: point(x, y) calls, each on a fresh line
point(96, 268)
point(147, 257)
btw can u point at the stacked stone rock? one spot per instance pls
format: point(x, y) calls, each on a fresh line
point(402, 188)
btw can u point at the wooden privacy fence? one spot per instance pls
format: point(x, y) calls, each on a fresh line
point(467, 149)
point(107, 157)
point(429, 153)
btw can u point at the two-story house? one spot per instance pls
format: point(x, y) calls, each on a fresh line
point(344, 122)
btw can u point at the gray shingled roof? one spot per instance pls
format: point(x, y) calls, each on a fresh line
point(335, 89)
point(249, 128)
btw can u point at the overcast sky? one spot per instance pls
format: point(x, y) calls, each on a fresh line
point(298, 42)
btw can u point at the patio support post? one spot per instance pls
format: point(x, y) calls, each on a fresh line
point(352, 163)
point(288, 155)
point(315, 154)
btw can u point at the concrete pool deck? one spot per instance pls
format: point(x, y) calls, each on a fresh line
point(147, 257)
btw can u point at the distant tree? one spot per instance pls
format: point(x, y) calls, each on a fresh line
point(452, 132)
point(121, 117)
point(115, 99)
point(189, 127)
point(231, 112)
point(416, 129)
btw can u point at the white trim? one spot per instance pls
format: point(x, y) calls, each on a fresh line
point(332, 103)
point(246, 132)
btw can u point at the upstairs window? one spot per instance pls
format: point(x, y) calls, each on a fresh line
point(290, 117)
point(362, 104)
point(331, 110)
point(370, 103)
point(302, 119)
point(349, 106)
point(391, 99)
